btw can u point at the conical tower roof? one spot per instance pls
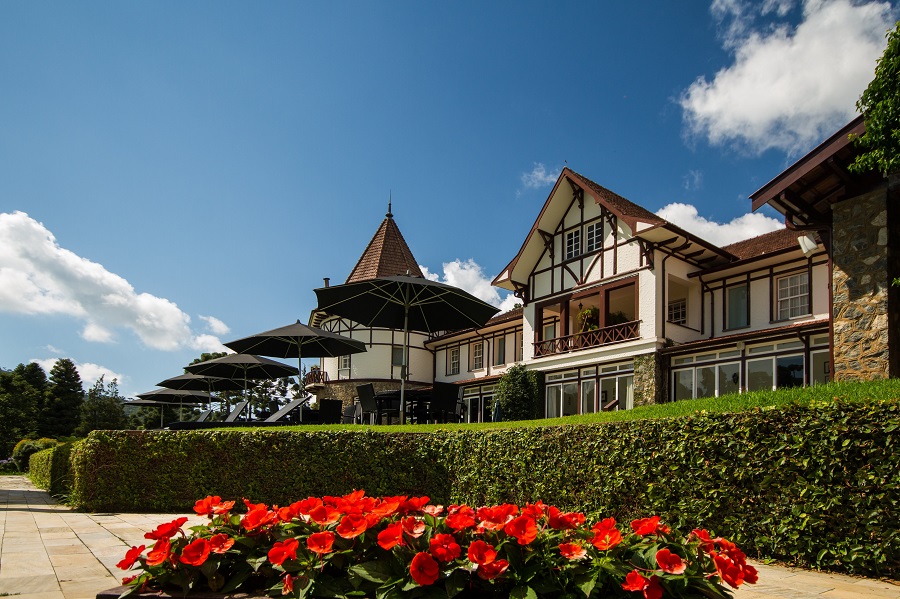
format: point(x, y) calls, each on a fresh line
point(387, 255)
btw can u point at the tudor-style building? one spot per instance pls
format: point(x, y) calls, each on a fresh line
point(621, 307)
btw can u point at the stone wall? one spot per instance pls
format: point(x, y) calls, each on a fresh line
point(649, 380)
point(346, 390)
point(863, 235)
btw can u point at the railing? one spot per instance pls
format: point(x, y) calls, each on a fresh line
point(315, 377)
point(605, 336)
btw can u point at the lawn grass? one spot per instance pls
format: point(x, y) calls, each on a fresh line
point(864, 391)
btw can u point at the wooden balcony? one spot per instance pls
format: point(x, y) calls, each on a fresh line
point(607, 335)
point(315, 378)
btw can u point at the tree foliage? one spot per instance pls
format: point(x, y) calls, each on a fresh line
point(102, 409)
point(880, 106)
point(518, 394)
point(21, 400)
point(62, 404)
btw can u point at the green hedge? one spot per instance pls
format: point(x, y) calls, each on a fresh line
point(51, 469)
point(815, 485)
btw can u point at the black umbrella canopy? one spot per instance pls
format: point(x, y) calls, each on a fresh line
point(242, 367)
point(198, 382)
point(177, 396)
point(408, 303)
point(297, 341)
point(427, 306)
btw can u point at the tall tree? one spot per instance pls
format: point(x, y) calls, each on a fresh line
point(880, 107)
point(21, 398)
point(102, 409)
point(62, 405)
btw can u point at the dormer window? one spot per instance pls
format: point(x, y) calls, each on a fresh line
point(573, 244)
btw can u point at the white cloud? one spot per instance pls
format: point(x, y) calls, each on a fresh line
point(53, 349)
point(470, 277)
point(215, 326)
point(88, 372)
point(539, 177)
point(693, 180)
point(788, 86)
point(744, 227)
point(37, 276)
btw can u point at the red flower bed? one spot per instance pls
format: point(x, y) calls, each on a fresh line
point(399, 547)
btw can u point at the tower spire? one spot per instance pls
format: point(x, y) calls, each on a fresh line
point(390, 198)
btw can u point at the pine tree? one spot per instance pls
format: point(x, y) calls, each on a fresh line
point(21, 399)
point(102, 409)
point(62, 407)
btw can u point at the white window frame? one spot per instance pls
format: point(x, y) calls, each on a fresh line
point(477, 350)
point(573, 244)
point(344, 367)
point(499, 351)
point(593, 238)
point(792, 299)
point(453, 361)
point(677, 311)
point(744, 323)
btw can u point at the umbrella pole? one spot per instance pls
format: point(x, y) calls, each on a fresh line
point(300, 386)
point(404, 369)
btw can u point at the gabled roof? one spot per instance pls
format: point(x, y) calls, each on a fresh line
point(514, 315)
point(761, 245)
point(387, 255)
point(642, 222)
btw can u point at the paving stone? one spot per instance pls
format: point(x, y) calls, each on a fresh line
point(28, 584)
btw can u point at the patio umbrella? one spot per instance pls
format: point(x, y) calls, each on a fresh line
point(199, 382)
point(413, 303)
point(242, 367)
point(163, 397)
point(298, 341)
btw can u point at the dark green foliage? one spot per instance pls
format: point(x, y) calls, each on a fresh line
point(880, 106)
point(519, 392)
point(25, 448)
point(51, 469)
point(102, 409)
point(813, 484)
point(62, 406)
point(21, 399)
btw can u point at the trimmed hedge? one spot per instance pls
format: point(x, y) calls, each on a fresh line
point(51, 469)
point(816, 485)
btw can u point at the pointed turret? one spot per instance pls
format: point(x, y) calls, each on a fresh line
point(386, 255)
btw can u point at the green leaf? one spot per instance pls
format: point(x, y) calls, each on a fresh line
point(586, 583)
point(375, 571)
point(522, 592)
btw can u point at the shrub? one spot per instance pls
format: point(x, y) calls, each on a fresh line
point(518, 393)
point(51, 469)
point(25, 448)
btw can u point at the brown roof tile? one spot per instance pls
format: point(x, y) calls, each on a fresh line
point(386, 255)
point(764, 244)
point(618, 203)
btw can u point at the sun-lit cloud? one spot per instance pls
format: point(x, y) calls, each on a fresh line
point(469, 276)
point(743, 227)
point(53, 349)
point(539, 176)
point(38, 277)
point(788, 86)
point(215, 326)
point(693, 180)
point(89, 373)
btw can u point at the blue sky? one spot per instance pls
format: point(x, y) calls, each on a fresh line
point(173, 175)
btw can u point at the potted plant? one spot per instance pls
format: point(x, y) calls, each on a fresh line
point(406, 547)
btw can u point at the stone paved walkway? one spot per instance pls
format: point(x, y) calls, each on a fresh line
point(48, 551)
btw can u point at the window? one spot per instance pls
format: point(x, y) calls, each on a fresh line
point(397, 355)
point(793, 296)
point(453, 360)
point(594, 237)
point(821, 367)
point(344, 367)
point(678, 311)
point(573, 244)
point(520, 347)
point(736, 307)
point(499, 351)
point(550, 331)
point(477, 355)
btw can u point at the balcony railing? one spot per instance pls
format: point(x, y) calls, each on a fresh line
point(315, 377)
point(616, 333)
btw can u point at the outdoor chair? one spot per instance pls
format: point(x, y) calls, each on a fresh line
point(204, 416)
point(349, 414)
point(283, 412)
point(330, 411)
point(444, 403)
point(238, 408)
point(369, 404)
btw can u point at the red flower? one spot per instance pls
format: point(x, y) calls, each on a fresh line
point(320, 542)
point(305, 506)
point(167, 530)
point(460, 517)
point(203, 507)
point(648, 526)
point(572, 551)
point(413, 527)
point(352, 525)
point(734, 571)
point(258, 517)
point(444, 547)
point(391, 536)
point(131, 556)
point(535, 510)
point(606, 535)
point(481, 553)
point(286, 514)
point(287, 585)
point(195, 553)
point(434, 510)
point(496, 517)
point(564, 521)
point(159, 553)
point(385, 507)
point(650, 586)
point(423, 569)
point(324, 515)
point(493, 569)
point(282, 551)
point(413, 504)
point(669, 562)
point(523, 528)
point(706, 542)
point(128, 580)
point(220, 543)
